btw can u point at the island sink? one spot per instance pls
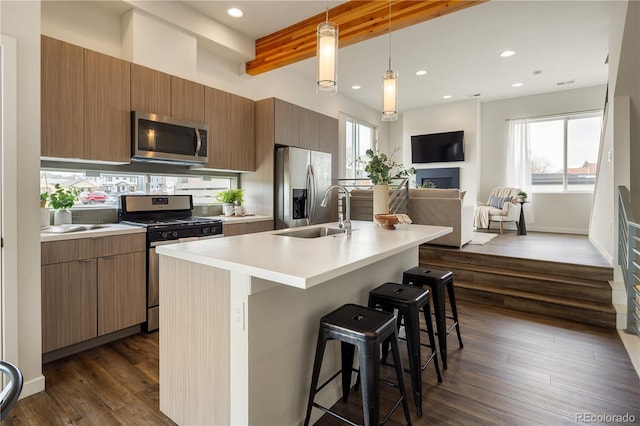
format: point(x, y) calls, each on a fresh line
point(322, 231)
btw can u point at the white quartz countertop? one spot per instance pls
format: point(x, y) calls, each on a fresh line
point(304, 262)
point(101, 230)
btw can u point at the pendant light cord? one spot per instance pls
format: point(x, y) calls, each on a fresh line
point(389, 34)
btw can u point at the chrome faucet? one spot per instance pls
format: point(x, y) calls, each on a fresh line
point(346, 223)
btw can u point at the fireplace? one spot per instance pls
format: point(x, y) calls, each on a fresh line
point(448, 177)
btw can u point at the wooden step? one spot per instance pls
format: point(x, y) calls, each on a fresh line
point(584, 312)
point(535, 282)
point(447, 255)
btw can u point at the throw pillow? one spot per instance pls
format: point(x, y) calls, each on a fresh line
point(498, 202)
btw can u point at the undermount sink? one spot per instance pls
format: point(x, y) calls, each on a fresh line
point(322, 231)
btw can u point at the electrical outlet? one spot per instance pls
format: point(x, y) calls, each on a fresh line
point(237, 314)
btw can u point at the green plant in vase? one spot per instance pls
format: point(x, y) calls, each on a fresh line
point(522, 196)
point(62, 199)
point(230, 199)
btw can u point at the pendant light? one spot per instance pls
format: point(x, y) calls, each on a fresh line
point(390, 86)
point(327, 53)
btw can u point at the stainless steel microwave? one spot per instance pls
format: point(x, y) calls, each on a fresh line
point(161, 139)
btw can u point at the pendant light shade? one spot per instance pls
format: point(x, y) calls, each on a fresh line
point(390, 96)
point(390, 86)
point(327, 53)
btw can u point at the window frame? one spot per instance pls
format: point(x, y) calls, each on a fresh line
point(356, 146)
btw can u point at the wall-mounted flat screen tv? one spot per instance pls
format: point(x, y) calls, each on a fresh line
point(438, 147)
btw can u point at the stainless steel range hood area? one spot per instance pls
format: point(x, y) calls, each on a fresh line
point(161, 139)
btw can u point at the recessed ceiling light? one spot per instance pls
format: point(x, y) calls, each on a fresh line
point(516, 85)
point(235, 12)
point(447, 97)
point(421, 72)
point(508, 53)
point(356, 87)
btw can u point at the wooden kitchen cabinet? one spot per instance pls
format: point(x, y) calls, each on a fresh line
point(230, 229)
point(69, 310)
point(61, 107)
point(309, 129)
point(231, 121)
point(187, 100)
point(121, 299)
point(150, 90)
point(286, 122)
point(328, 142)
point(91, 287)
point(107, 111)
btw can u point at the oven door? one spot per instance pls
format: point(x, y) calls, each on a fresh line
point(153, 279)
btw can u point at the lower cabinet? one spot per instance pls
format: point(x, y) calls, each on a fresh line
point(87, 297)
point(230, 229)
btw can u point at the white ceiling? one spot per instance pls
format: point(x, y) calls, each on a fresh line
point(566, 40)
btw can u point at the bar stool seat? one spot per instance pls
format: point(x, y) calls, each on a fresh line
point(408, 301)
point(437, 280)
point(364, 328)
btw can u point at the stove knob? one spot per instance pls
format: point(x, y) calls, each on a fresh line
point(205, 230)
point(164, 235)
point(174, 234)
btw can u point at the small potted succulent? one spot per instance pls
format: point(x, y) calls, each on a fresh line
point(522, 197)
point(62, 199)
point(230, 199)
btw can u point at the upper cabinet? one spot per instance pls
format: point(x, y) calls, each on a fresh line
point(107, 116)
point(187, 100)
point(328, 141)
point(301, 127)
point(231, 121)
point(62, 86)
point(150, 90)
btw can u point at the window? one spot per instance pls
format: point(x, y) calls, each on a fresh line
point(359, 137)
point(102, 189)
point(563, 152)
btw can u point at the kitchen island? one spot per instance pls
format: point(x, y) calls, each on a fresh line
point(240, 317)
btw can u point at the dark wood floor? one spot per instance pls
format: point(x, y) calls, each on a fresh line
point(566, 248)
point(515, 369)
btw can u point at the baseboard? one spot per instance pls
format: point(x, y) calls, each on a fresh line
point(608, 257)
point(632, 345)
point(576, 231)
point(32, 387)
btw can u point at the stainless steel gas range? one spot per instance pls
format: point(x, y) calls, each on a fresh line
point(168, 220)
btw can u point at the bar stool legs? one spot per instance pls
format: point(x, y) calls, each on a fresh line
point(437, 280)
point(365, 328)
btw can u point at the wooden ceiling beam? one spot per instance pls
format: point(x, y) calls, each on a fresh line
point(357, 21)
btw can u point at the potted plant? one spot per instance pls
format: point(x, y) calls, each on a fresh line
point(62, 199)
point(45, 218)
point(230, 199)
point(382, 170)
point(522, 196)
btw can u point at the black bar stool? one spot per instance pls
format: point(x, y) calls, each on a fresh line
point(437, 280)
point(364, 328)
point(408, 301)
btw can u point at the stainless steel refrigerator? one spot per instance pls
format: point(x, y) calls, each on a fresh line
point(301, 178)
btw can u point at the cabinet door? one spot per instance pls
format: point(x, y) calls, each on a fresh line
point(61, 85)
point(69, 313)
point(243, 151)
point(150, 90)
point(218, 117)
point(107, 115)
point(329, 142)
point(121, 292)
point(309, 129)
point(187, 100)
point(287, 123)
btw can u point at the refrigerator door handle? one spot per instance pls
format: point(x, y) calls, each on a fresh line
point(311, 190)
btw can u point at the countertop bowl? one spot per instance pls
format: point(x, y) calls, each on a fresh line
point(388, 221)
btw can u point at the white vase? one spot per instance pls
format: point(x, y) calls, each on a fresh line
point(228, 209)
point(62, 217)
point(380, 199)
point(45, 217)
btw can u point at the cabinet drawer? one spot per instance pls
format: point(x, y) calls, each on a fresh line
point(68, 250)
point(119, 244)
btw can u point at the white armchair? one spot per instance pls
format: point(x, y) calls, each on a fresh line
point(502, 206)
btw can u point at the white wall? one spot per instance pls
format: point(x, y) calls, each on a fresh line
point(443, 118)
point(20, 20)
point(547, 214)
